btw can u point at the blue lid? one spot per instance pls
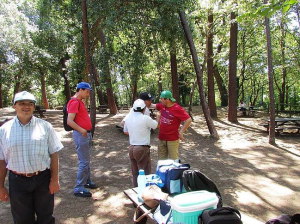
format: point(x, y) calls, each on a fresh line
point(141, 172)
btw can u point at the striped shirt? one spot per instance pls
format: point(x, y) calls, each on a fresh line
point(27, 148)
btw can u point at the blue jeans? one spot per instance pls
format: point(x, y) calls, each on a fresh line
point(30, 196)
point(83, 145)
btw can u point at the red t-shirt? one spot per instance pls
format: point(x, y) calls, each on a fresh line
point(82, 118)
point(170, 120)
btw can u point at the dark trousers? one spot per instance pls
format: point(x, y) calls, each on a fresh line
point(30, 199)
point(140, 159)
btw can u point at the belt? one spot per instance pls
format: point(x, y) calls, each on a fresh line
point(143, 145)
point(27, 174)
point(88, 131)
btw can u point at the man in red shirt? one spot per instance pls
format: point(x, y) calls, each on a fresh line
point(79, 120)
point(171, 116)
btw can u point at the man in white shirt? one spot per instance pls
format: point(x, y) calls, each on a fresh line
point(29, 151)
point(138, 127)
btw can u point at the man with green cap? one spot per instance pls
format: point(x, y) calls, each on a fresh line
point(171, 116)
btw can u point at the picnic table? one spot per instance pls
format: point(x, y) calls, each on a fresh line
point(103, 109)
point(283, 123)
point(250, 112)
point(39, 110)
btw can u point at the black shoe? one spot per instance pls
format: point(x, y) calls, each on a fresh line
point(91, 186)
point(84, 194)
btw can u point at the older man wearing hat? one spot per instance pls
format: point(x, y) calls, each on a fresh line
point(138, 126)
point(79, 120)
point(29, 152)
point(171, 116)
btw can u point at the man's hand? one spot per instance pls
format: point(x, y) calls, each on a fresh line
point(53, 186)
point(4, 196)
point(181, 136)
point(84, 133)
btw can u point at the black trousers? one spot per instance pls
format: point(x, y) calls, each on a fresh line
point(30, 198)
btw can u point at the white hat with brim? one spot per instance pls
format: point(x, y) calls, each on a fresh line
point(24, 96)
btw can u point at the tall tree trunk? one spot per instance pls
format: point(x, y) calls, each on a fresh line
point(67, 90)
point(134, 90)
point(89, 62)
point(232, 83)
point(18, 83)
point(188, 35)
point(210, 66)
point(284, 74)
point(175, 88)
point(109, 90)
point(44, 92)
point(221, 87)
point(159, 84)
point(270, 76)
point(191, 98)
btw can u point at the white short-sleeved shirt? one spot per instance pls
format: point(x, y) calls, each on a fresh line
point(27, 148)
point(139, 127)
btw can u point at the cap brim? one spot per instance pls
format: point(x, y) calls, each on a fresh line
point(172, 99)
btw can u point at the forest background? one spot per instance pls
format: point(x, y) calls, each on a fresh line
point(228, 50)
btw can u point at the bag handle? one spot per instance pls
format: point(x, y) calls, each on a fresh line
point(142, 216)
point(230, 209)
point(295, 219)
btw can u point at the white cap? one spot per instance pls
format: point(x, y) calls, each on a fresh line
point(24, 96)
point(139, 104)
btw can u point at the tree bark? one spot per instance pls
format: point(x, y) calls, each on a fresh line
point(89, 63)
point(191, 99)
point(67, 90)
point(270, 76)
point(284, 74)
point(175, 88)
point(44, 92)
point(188, 35)
point(221, 87)
point(210, 67)
point(232, 83)
point(106, 71)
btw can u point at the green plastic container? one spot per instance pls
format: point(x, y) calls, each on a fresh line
point(188, 206)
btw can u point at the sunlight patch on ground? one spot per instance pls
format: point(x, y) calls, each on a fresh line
point(248, 198)
point(274, 189)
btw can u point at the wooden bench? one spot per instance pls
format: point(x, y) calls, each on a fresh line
point(280, 129)
point(103, 109)
point(39, 110)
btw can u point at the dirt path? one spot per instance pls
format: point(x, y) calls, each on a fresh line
point(258, 179)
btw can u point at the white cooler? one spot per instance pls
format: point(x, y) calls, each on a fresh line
point(187, 207)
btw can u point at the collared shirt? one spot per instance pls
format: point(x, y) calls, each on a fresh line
point(139, 125)
point(27, 148)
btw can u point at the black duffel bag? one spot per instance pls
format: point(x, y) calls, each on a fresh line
point(223, 215)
